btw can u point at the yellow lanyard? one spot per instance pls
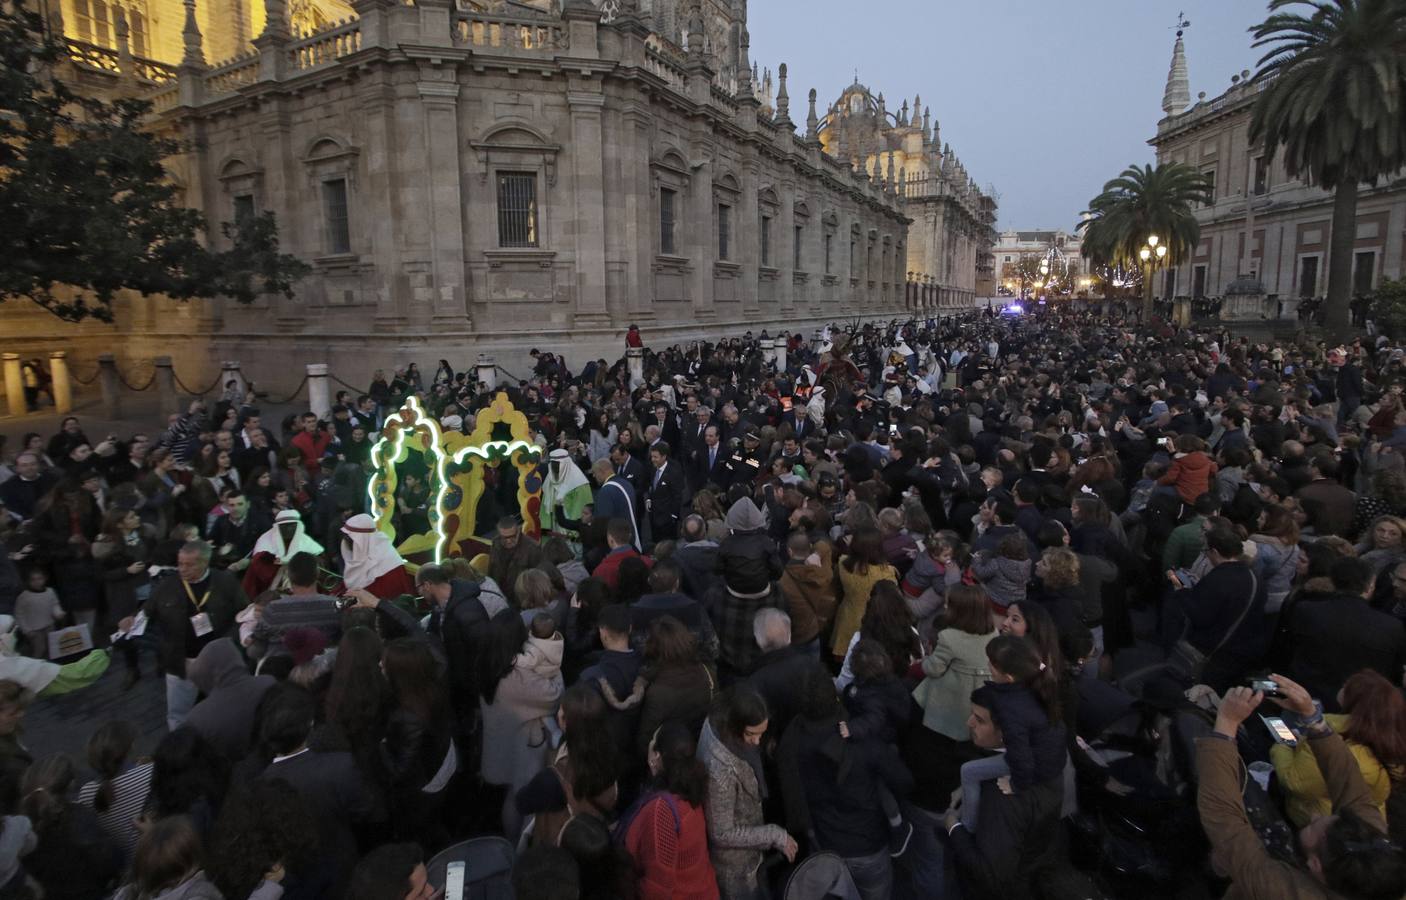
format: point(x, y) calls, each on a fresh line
point(199, 604)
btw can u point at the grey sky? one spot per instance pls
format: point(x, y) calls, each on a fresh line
point(1045, 101)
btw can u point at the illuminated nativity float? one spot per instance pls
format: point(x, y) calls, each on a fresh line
point(438, 495)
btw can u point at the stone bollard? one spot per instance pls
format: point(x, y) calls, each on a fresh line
point(768, 351)
point(62, 385)
point(779, 354)
point(634, 360)
point(14, 385)
point(230, 371)
point(319, 401)
point(108, 380)
point(487, 371)
point(166, 396)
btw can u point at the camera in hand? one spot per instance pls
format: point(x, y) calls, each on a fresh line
point(1267, 686)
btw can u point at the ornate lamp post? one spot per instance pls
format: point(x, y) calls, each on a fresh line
point(1152, 254)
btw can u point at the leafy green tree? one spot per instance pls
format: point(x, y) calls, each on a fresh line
point(1389, 308)
point(86, 209)
point(1144, 201)
point(1333, 107)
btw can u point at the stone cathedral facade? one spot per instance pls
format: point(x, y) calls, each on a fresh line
point(491, 175)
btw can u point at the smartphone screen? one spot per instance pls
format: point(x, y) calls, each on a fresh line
point(1279, 731)
point(454, 881)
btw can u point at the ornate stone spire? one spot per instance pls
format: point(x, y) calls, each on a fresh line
point(903, 115)
point(927, 125)
point(276, 20)
point(1178, 94)
point(812, 120)
point(937, 134)
point(695, 30)
point(890, 176)
point(744, 46)
point(194, 56)
point(783, 99)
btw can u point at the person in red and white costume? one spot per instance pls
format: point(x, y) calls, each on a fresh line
point(269, 560)
point(370, 562)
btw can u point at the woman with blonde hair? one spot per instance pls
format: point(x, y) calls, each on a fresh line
point(1383, 544)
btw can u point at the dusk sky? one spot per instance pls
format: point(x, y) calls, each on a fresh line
point(1043, 101)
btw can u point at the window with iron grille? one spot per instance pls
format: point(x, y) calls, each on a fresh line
point(666, 221)
point(765, 240)
point(334, 211)
point(796, 249)
point(829, 242)
point(517, 209)
point(724, 229)
point(243, 208)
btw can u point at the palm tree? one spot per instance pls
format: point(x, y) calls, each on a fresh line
point(1141, 202)
point(1332, 104)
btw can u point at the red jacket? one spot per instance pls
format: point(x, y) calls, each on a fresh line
point(312, 446)
point(609, 568)
point(1192, 474)
point(668, 843)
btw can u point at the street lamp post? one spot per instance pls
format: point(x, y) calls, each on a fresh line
point(1152, 254)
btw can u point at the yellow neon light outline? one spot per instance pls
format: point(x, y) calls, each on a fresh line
point(418, 417)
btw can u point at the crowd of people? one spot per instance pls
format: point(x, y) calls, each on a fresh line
point(984, 606)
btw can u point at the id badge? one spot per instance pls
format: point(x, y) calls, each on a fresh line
point(201, 623)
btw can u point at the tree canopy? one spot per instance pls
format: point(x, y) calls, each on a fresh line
point(1332, 108)
point(86, 205)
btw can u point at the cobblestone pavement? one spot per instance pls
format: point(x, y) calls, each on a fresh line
point(63, 724)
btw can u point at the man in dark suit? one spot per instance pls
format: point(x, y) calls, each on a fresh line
point(695, 428)
point(633, 471)
point(668, 424)
point(330, 783)
point(709, 463)
point(665, 498)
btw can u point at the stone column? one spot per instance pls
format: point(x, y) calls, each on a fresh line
point(110, 384)
point(588, 188)
point(14, 385)
point(63, 387)
point(783, 246)
point(634, 359)
point(779, 353)
point(230, 371)
point(319, 401)
point(440, 101)
point(640, 224)
point(746, 227)
point(166, 385)
point(701, 247)
point(487, 371)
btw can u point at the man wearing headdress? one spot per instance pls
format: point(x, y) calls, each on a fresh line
point(370, 561)
point(275, 547)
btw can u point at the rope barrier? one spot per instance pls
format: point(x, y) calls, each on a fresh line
point(351, 387)
point(181, 384)
point(149, 382)
point(85, 381)
point(509, 374)
point(296, 391)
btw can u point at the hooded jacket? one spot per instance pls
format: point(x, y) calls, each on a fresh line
point(810, 594)
point(226, 716)
point(747, 558)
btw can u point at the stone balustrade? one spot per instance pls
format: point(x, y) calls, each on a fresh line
point(326, 46)
point(508, 34)
point(231, 76)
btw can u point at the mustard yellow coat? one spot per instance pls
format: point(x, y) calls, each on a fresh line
point(855, 588)
point(1302, 782)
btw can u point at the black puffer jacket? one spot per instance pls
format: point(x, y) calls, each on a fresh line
point(879, 708)
point(1035, 749)
point(747, 559)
